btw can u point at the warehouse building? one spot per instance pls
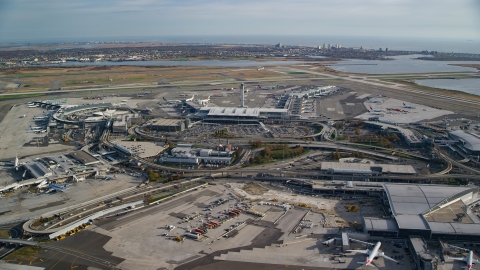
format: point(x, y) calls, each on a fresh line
point(366, 168)
point(167, 125)
point(84, 157)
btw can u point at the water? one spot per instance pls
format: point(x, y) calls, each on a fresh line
point(211, 63)
point(392, 43)
point(403, 64)
point(471, 86)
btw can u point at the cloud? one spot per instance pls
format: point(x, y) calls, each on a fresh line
point(409, 18)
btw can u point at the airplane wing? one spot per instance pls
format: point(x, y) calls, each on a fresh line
point(475, 261)
point(457, 258)
point(366, 251)
point(361, 242)
point(386, 257)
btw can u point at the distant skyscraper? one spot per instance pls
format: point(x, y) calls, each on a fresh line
point(329, 46)
point(324, 45)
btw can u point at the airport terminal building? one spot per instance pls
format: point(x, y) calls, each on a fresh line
point(233, 115)
point(468, 142)
point(429, 211)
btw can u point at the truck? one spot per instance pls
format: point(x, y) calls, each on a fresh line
point(192, 235)
point(199, 231)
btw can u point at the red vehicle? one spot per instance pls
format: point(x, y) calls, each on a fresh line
point(233, 214)
point(214, 223)
point(199, 231)
point(238, 210)
point(175, 186)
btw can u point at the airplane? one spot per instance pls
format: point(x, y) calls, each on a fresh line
point(329, 241)
point(57, 188)
point(39, 117)
point(203, 101)
point(469, 259)
point(376, 113)
point(108, 177)
point(172, 101)
point(23, 116)
point(377, 110)
point(408, 106)
point(371, 254)
point(32, 106)
point(147, 109)
point(190, 99)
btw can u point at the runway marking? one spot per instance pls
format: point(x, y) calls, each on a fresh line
point(352, 93)
point(350, 104)
point(226, 101)
point(73, 266)
point(331, 109)
point(58, 261)
point(340, 112)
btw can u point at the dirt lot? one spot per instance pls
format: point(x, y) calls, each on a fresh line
point(254, 189)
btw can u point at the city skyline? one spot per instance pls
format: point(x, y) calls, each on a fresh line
point(24, 20)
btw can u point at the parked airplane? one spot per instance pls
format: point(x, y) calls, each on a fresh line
point(108, 177)
point(408, 106)
point(190, 99)
point(23, 116)
point(172, 101)
point(377, 110)
point(376, 113)
point(469, 260)
point(203, 101)
point(371, 254)
point(147, 109)
point(57, 188)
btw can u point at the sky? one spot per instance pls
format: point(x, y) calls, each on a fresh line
point(64, 19)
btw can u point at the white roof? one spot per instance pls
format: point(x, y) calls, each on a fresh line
point(386, 168)
point(233, 111)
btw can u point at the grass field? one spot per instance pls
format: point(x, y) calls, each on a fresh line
point(27, 253)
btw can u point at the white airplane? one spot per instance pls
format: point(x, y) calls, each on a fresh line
point(408, 106)
point(376, 110)
point(32, 106)
point(371, 254)
point(468, 260)
point(108, 177)
point(148, 109)
point(190, 99)
point(172, 101)
point(39, 117)
point(203, 101)
point(376, 113)
point(23, 116)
